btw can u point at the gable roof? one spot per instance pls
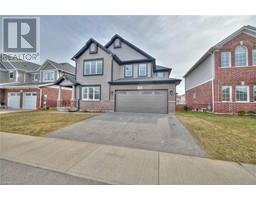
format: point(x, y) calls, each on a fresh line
point(87, 45)
point(65, 67)
point(250, 30)
point(129, 44)
point(12, 63)
point(68, 77)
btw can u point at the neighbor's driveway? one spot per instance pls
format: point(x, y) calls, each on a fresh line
point(146, 131)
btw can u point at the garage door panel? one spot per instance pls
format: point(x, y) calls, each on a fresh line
point(14, 100)
point(148, 101)
point(29, 100)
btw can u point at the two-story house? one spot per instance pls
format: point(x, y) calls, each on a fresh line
point(224, 79)
point(121, 77)
point(26, 85)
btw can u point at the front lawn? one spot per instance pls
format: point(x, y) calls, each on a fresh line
point(38, 122)
point(223, 137)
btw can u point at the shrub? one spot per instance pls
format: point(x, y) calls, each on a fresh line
point(251, 112)
point(241, 112)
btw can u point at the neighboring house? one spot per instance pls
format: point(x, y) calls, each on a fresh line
point(224, 79)
point(180, 99)
point(121, 77)
point(26, 85)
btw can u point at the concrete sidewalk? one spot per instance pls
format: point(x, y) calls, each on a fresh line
point(121, 165)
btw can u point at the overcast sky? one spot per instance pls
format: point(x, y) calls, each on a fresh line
point(175, 41)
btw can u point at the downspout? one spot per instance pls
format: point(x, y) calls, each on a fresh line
point(40, 96)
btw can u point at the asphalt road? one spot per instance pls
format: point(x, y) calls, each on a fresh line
point(13, 173)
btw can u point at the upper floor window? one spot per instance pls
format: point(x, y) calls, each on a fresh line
point(142, 70)
point(241, 56)
point(117, 43)
point(93, 67)
point(225, 59)
point(226, 93)
point(128, 70)
point(254, 93)
point(160, 74)
point(254, 56)
point(91, 93)
point(93, 48)
point(242, 93)
point(11, 75)
point(36, 77)
point(48, 75)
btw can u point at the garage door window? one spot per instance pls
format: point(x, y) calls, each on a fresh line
point(91, 93)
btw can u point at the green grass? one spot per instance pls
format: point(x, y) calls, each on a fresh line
point(223, 137)
point(38, 123)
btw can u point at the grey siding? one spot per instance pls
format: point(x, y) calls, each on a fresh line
point(4, 77)
point(200, 75)
point(126, 53)
point(98, 79)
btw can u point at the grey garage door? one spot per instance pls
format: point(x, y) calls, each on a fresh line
point(142, 101)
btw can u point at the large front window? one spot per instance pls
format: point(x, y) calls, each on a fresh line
point(142, 70)
point(128, 70)
point(226, 93)
point(93, 67)
point(91, 93)
point(48, 75)
point(225, 59)
point(242, 93)
point(254, 56)
point(241, 56)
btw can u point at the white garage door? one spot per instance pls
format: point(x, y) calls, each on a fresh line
point(141, 101)
point(14, 100)
point(29, 100)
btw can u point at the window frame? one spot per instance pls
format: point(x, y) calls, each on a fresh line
point(157, 74)
point(254, 93)
point(48, 71)
point(254, 56)
point(146, 70)
point(96, 68)
point(248, 94)
point(230, 93)
point(229, 59)
point(93, 51)
point(88, 92)
point(11, 78)
point(246, 54)
point(117, 46)
point(125, 75)
point(34, 77)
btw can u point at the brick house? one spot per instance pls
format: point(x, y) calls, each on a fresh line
point(223, 80)
point(26, 85)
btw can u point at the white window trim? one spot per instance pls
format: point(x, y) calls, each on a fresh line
point(248, 94)
point(125, 71)
point(230, 93)
point(142, 65)
point(87, 99)
point(246, 57)
point(229, 62)
point(96, 69)
point(34, 77)
point(47, 71)
point(253, 50)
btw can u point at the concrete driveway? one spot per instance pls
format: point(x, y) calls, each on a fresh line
point(158, 132)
